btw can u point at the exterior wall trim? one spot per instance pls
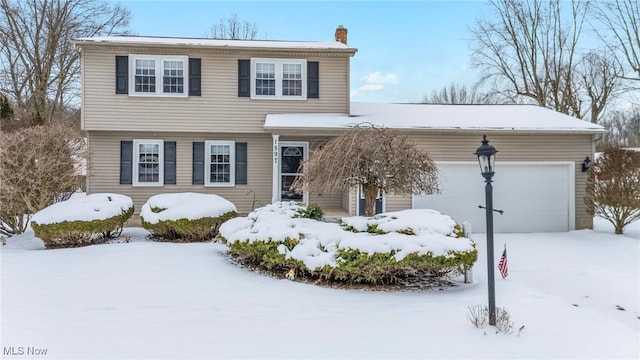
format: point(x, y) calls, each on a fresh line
point(275, 191)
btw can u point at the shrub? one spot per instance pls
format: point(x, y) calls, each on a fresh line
point(479, 317)
point(187, 230)
point(310, 212)
point(80, 233)
point(272, 239)
point(613, 188)
point(37, 169)
point(264, 255)
point(185, 217)
point(353, 266)
point(356, 267)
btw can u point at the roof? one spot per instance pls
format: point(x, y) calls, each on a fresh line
point(525, 118)
point(213, 43)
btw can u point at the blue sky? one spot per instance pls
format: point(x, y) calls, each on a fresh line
point(406, 49)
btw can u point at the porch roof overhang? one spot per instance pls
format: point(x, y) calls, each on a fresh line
point(431, 117)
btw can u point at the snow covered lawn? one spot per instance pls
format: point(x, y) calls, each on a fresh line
point(179, 301)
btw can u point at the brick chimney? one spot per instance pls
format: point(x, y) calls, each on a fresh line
point(341, 34)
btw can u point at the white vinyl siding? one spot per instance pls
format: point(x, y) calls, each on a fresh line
point(218, 110)
point(105, 150)
point(148, 162)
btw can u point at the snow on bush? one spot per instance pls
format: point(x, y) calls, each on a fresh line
point(185, 216)
point(318, 244)
point(412, 220)
point(82, 220)
point(84, 208)
point(187, 205)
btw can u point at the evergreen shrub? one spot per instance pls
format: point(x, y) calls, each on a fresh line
point(272, 240)
point(187, 230)
point(77, 233)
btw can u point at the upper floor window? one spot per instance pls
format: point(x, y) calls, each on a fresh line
point(153, 75)
point(173, 77)
point(278, 79)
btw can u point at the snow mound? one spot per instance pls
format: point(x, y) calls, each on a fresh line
point(187, 205)
point(84, 208)
point(273, 222)
point(318, 242)
point(418, 220)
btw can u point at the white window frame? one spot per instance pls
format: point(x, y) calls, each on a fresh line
point(159, 67)
point(136, 159)
point(207, 163)
point(279, 66)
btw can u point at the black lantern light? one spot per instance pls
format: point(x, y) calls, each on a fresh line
point(586, 164)
point(486, 158)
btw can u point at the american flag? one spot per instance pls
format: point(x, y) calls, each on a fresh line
point(502, 265)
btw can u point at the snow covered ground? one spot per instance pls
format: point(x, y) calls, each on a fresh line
point(147, 300)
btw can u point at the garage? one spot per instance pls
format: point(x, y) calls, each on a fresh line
point(543, 191)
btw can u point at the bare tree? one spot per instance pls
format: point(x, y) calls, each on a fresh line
point(233, 28)
point(613, 188)
point(598, 76)
point(622, 20)
point(377, 159)
point(40, 66)
point(530, 52)
point(623, 129)
point(38, 168)
point(457, 94)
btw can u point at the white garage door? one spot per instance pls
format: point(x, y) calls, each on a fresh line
point(535, 197)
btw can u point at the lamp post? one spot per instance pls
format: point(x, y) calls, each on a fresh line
point(486, 158)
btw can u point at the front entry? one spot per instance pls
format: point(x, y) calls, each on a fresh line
point(361, 205)
point(292, 154)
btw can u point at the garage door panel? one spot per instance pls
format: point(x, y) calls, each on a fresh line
point(534, 196)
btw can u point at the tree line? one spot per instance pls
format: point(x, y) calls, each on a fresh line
point(579, 58)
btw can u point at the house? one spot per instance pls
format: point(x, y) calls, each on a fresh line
point(236, 118)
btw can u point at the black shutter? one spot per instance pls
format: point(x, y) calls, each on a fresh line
point(198, 163)
point(195, 76)
point(126, 162)
point(169, 162)
point(241, 163)
point(122, 74)
point(244, 78)
point(313, 80)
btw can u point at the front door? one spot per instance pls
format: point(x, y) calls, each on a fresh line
point(291, 157)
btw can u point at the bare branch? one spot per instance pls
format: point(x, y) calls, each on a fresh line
point(37, 170)
point(376, 159)
point(613, 188)
point(621, 18)
point(37, 54)
point(529, 50)
point(458, 94)
point(233, 28)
